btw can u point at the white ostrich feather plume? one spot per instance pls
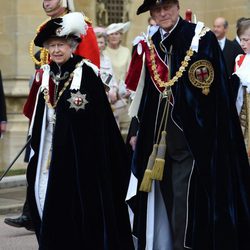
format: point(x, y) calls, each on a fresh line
point(73, 24)
point(68, 4)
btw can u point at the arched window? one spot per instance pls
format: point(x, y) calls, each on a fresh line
point(115, 11)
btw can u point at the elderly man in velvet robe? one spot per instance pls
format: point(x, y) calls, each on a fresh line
point(190, 182)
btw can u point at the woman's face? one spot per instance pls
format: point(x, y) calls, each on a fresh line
point(59, 50)
point(101, 43)
point(245, 41)
point(114, 38)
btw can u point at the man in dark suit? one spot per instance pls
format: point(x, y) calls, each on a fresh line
point(229, 48)
point(3, 116)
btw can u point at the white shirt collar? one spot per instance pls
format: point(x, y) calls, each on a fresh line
point(222, 42)
point(163, 32)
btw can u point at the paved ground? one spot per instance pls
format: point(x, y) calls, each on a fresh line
point(10, 147)
point(12, 238)
point(12, 196)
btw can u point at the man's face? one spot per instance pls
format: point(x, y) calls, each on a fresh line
point(53, 8)
point(165, 15)
point(59, 50)
point(219, 29)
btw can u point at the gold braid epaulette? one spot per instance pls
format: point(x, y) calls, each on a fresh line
point(44, 55)
point(88, 20)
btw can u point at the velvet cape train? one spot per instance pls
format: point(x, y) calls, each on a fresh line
point(219, 191)
point(88, 176)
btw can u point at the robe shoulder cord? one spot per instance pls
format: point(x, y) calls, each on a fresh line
point(156, 161)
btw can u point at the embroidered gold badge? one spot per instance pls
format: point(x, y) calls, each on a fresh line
point(201, 75)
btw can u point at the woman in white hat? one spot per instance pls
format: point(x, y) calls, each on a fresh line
point(106, 70)
point(120, 57)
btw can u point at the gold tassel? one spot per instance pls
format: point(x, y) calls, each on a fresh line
point(158, 168)
point(146, 183)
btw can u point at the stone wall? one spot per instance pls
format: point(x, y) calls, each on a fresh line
point(19, 20)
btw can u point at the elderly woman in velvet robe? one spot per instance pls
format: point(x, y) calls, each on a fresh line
point(77, 175)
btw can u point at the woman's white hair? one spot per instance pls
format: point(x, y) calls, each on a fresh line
point(73, 43)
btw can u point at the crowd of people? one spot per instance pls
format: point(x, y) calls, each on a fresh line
point(180, 178)
point(119, 57)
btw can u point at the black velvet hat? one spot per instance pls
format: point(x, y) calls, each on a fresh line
point(70, 25)
point(47, 31)
point(147, 4)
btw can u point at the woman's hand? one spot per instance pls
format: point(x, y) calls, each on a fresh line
point(112, 95)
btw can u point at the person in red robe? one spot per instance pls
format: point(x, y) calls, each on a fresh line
point(88, 48)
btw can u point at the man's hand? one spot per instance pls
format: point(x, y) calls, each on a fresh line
point(132, 142)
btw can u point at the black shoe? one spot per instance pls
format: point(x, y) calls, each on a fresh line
point(21, 221)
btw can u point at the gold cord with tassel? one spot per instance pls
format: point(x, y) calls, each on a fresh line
point(158, 168)
point(156, 162)
point(146, 183)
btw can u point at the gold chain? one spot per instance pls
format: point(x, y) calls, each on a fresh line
point(46, 92)
point(178, 74)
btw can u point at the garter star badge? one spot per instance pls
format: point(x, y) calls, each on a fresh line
point(201, 75)
point(77, 100)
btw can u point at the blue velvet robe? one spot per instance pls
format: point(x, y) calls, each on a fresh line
point(219, 191)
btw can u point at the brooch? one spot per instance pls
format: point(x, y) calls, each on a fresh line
point(77, 101)
point(201, 75)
